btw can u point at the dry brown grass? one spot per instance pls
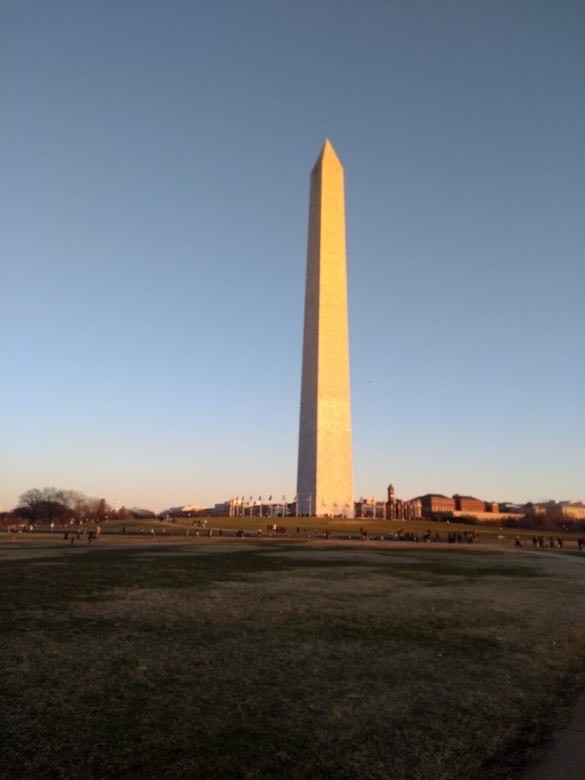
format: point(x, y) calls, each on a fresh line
point(305, 662)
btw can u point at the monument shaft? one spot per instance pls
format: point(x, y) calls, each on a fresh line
point(324, 482)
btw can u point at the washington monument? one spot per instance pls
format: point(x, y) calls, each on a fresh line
point(324, 479)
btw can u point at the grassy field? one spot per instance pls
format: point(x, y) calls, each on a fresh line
point(225, 659)
point(316, 526)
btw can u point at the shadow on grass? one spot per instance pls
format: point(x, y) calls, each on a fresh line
point(251, 665)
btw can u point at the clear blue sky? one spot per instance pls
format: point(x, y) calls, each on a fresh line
point(155, 161)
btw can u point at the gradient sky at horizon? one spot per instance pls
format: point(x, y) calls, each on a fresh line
point(155, 164)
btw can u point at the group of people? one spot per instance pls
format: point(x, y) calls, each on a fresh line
point(75, 536)
point(468, 537)
point(543, 543)
point(453, 537)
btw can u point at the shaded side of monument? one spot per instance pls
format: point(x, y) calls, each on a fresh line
point(324, 479)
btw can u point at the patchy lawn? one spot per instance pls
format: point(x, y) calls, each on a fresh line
point(277, 660)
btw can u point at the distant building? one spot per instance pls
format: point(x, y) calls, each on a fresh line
point(564, 510)
point(240, 506)
point(508, 508)
point(402, 509)
point(370, 508)
point(436, 504)
point(392, 509)
point(468, 504)
point(189, 510)
point(223, 509)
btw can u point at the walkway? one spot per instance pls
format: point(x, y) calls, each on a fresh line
point(566, 758)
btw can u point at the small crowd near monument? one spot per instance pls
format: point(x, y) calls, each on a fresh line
point(73, 536)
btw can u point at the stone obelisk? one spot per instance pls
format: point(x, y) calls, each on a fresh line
point(324, 481)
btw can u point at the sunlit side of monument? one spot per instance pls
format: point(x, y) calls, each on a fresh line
point(324, 481)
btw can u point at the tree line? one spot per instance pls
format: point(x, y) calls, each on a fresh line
point(54, 505)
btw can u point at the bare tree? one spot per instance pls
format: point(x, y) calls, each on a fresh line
point(52, 504)
point(31, 501)
point(47, 504)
